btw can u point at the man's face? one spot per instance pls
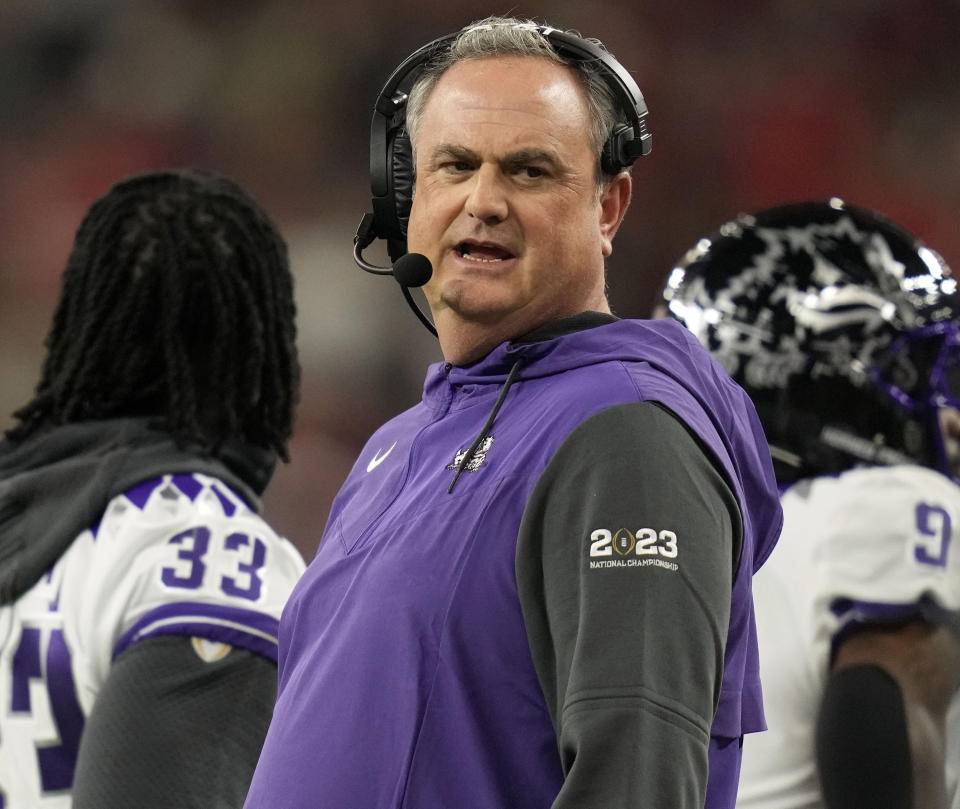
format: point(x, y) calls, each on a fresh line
point(506, 206)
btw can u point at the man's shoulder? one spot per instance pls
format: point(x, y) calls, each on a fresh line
point(863, 486)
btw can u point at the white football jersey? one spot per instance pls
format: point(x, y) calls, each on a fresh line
point(181, 554)
point(869, 543)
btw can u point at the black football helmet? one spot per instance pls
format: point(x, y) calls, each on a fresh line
point(842, 327)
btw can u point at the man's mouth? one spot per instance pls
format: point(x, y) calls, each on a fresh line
point(482, 253)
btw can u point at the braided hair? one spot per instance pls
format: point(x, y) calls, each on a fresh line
point(176, 304)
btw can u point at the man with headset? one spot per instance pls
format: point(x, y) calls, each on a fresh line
point(533, 589)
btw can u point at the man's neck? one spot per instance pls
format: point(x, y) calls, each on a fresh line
point(567, 325)
point(469, 342)
point(466, 342)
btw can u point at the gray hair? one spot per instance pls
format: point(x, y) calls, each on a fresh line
point(508, 36)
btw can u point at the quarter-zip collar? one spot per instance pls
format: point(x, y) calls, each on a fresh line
point(585, 339)
point(582, 340)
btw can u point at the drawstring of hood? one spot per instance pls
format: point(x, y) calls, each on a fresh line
point(525, 346)
point(488, 425)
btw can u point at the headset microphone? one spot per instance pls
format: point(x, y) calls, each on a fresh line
point(412, 270)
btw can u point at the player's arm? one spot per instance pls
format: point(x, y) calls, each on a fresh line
point(170, 729)
point(881, 729)
point(630, 657)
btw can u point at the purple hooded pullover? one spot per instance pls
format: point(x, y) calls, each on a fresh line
point(570, 624)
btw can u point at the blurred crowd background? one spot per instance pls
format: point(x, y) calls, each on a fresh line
point(752, 103)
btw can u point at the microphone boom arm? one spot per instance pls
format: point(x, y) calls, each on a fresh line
point(416, 310)
point(365, 235)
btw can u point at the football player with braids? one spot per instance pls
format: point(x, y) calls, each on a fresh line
point(844, 329)
point(140, 591)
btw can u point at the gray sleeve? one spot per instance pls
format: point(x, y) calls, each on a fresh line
point(625, 562)
point(170, 729)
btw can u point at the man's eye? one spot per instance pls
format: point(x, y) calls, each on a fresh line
point(532, 172)
point(456, 165)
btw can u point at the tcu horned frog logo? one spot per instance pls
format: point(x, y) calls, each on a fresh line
point(478, 457)
point(644, 547)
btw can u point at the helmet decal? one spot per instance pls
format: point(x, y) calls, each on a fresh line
point(826, 314)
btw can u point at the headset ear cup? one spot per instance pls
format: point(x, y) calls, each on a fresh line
point(401, 173)
point(613, 157)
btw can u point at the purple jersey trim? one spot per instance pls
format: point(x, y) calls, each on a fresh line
point(247, 629)
point(857, 614)
point(884, 610)
point(189, 485)
point(229, 507)
point(139, 494)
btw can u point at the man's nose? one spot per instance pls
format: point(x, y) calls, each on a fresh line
point(487, 200)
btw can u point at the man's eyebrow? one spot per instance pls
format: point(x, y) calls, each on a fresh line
point(524, 157)
point(451, 151)
point(521, 157)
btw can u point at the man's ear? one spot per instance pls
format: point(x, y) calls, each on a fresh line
point(614, 201)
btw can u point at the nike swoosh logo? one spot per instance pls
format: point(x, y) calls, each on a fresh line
point(379, 459)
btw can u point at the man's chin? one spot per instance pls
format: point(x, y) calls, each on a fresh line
point(474, 306)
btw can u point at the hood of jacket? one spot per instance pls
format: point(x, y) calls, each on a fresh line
point(677, 360)
point(57, 483)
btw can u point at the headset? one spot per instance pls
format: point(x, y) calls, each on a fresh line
point(391, 156)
